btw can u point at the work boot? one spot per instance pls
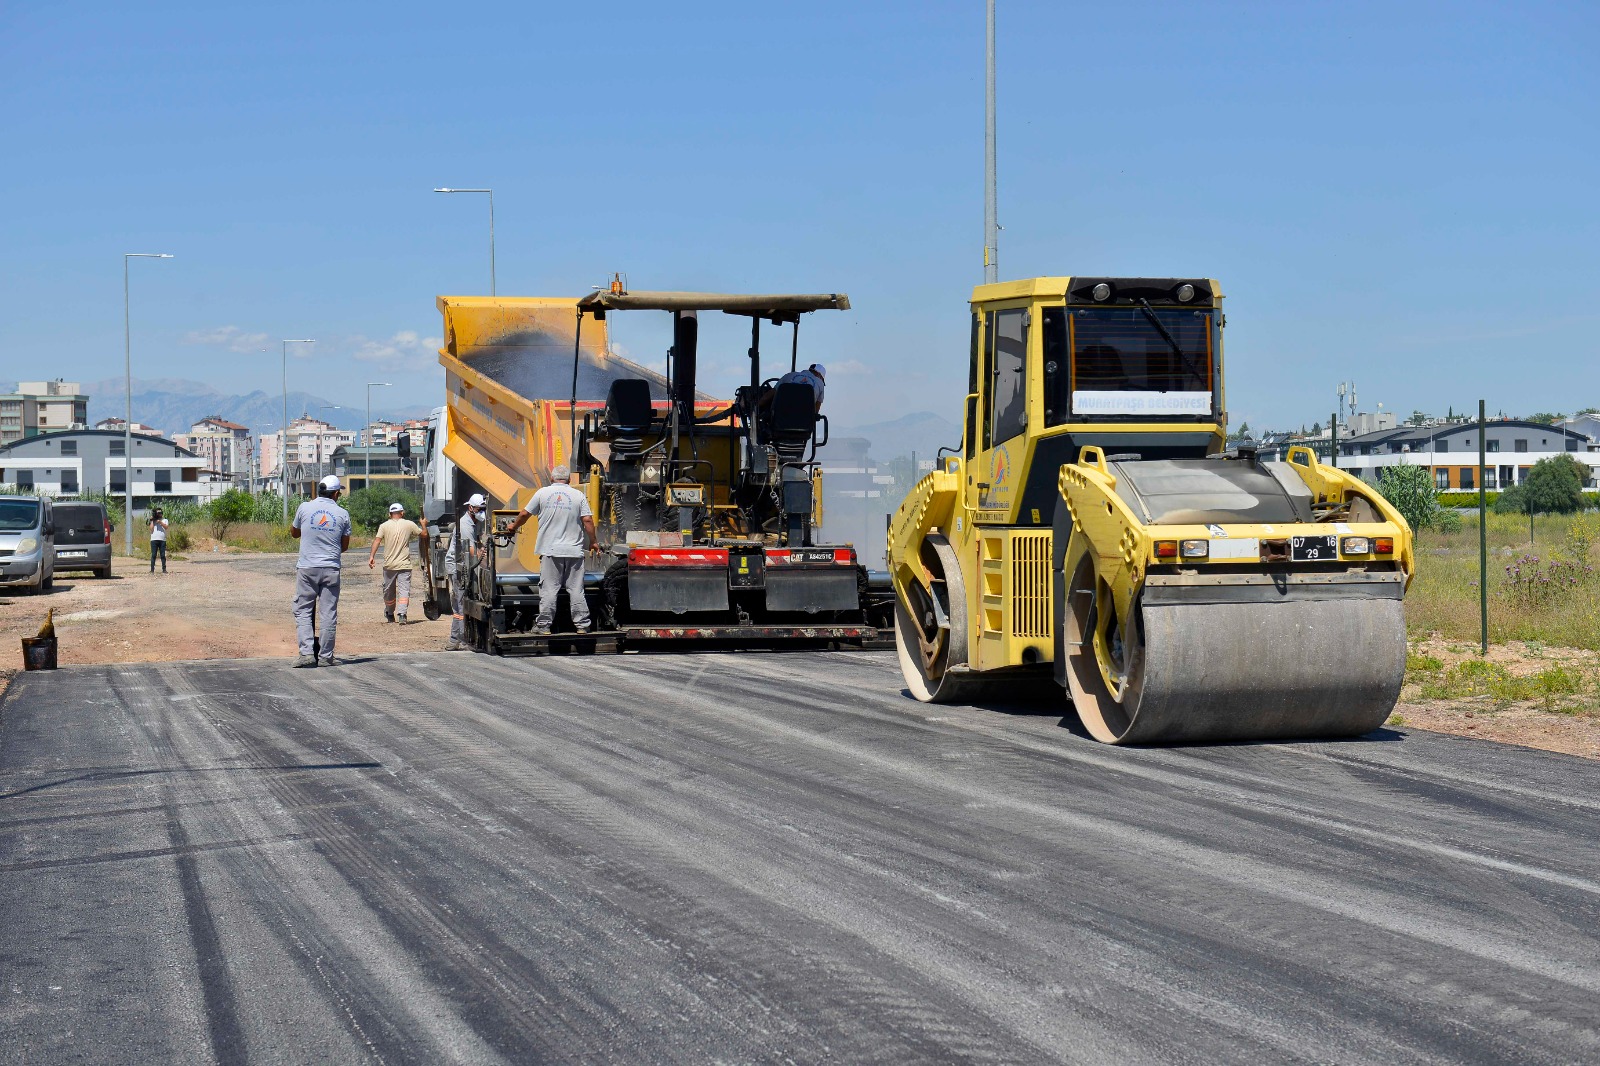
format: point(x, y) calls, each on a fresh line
point(402, 619)
point(388, 616)
point(304, 661)
point(455, 645)
point(328, 661)
point(541, 631)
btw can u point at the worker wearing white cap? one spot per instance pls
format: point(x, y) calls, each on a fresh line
point(323, 529)
point(463, 554)
point(395, 537)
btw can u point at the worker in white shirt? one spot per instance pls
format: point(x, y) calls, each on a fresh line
point(566, 533)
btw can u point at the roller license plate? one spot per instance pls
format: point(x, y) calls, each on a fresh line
point(1313, 549)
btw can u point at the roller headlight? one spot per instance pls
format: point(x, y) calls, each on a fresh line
point(1356, 545)
point(1185, 293)
point(26, 545)
point(1101, 292)
point(1196, 549)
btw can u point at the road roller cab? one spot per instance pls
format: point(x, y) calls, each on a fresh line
point(1091, 533)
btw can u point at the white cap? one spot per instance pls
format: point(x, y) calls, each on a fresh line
point(396, 508)
point(821, 370)
point(331, 483)
point(475, 500)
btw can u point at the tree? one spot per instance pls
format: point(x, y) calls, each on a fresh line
point(1417, 418)
point(1316, 427)
point(1555, 486)
point(232, 507)
point(369, 507)
point(1546, 417)
point(1244, 430)
point(1411, 490)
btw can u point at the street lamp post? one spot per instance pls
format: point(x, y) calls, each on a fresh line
point(370, 386)
point(322, 438)
point(491, 231)
point(283, 463)
point(127, 425)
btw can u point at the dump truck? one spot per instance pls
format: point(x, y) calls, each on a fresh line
point(706, 509)
point(1092, 534)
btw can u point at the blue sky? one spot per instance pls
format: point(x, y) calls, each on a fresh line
point(1404, 194)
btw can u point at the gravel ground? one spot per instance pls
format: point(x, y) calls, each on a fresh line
point(758, 858)
point(205, 607)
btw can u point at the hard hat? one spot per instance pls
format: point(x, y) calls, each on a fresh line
point(396, 508)
point(821, 370)
point(331, 483)
point(475, 500)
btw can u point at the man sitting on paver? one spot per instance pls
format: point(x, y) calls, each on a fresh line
point(566, 533)
point(323, 529)
point(395, 537)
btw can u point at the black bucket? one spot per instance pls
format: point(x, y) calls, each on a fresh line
point(38, 653)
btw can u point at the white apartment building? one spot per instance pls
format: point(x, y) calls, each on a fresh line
point(1450, 451)
point(311, 440)
point(227, 447)
point(115, 425)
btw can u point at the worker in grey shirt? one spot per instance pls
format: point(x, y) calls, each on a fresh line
point(323, 529)
point(465, 542)
point(566, 533)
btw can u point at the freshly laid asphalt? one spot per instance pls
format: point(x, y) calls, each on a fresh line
point(759, 858)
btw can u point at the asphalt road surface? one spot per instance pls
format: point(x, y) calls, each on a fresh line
point(758, 858)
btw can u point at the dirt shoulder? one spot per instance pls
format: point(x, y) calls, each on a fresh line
point(1523, 693)
point(207, 606)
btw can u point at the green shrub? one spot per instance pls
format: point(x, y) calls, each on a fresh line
point(369, 507)
point(269, 508)
point(1466, 498)
point(229, 509)
point(1411, 490)
point(178, 539)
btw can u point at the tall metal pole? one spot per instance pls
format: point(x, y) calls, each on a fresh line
point(127, 385)
point(370, 385)
point(492, 291)
point(991, 228)
point(1483, 540)
point(283, 456)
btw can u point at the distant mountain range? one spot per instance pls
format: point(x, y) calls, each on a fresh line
point(922, 432)
point(172, 405)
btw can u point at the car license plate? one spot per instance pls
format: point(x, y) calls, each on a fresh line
point(1313, 549)
point(72, 555)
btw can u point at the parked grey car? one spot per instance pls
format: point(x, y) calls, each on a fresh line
point(83, 537)
point(27, 543)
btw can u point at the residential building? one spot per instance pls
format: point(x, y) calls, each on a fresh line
point(75, 462)
point(356, 466)
point(115, 424)
point(1588, 425)
point(311, 442)
point(1450, 451)
point(42, 407)
point(225, 446)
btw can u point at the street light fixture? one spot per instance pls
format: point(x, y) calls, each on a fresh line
point(283, 460)
point(491, 231)
point(127, 425)
point(370, 386)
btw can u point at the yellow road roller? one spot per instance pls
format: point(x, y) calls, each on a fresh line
point(1092, 533)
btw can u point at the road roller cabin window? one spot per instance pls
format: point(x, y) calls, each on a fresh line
point(1130, 361)
point(1008, 394)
